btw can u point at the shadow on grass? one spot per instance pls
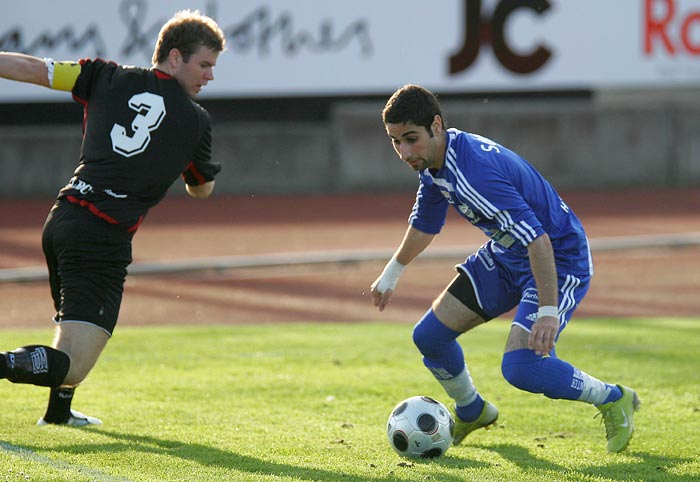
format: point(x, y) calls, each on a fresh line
point(648, 467)
point(645, 467)
point(206, 455)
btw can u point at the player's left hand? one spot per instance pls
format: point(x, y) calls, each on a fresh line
point(543, 335)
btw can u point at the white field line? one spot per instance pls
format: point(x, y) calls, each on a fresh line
point(38, 273)
point(75, 470)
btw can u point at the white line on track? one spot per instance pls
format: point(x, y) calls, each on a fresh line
point(15, 275)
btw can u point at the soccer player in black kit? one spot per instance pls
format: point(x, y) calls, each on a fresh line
point(142, 130)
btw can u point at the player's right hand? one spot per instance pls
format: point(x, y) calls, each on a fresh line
point(543, 335)
point(380, 298)
point(383, 287)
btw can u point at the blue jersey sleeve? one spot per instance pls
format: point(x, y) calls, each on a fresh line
point(430, 209)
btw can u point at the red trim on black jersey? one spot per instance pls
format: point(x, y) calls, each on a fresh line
point(93, 209)
point(192, 169)
point(104, 216)
point(85, 60)
point(79, 100)
point(162, 75)
point(84, 103)
point(133, 228)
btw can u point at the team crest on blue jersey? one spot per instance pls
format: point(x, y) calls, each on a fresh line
point(447, 196)
point(469, 213)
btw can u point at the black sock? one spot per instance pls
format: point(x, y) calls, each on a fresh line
point(36, 364)
point(58, 409)
point(3, 366)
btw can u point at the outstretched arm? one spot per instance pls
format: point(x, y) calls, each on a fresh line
point(23, 68)
point(414, 242)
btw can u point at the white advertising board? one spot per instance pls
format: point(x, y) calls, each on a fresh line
point(364, 47)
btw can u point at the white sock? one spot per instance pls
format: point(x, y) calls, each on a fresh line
point(460, 388)
point(592, 390)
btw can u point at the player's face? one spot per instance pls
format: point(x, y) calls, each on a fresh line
point(416, 146)
point(197, 72)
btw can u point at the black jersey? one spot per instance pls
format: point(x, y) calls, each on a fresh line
point(141, 132)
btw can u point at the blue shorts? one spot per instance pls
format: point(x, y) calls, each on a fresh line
point(502, 282)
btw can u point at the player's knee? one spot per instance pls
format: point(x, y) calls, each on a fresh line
point(432, 337)
point(442, 355)
point(421, 337)
point(37, 365)
point(519, 368)
point(516, 375)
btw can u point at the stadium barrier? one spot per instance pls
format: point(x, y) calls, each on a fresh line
point(223, 263)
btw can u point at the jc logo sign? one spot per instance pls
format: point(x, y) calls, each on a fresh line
point(480, 30)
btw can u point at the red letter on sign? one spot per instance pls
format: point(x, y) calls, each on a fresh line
point(693, 18)
point(656, 26)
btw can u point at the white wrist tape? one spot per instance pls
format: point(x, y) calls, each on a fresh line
point(547, 311)
point(390, 276)
point(49, 66)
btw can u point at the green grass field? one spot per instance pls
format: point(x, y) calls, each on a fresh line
point(309, 402)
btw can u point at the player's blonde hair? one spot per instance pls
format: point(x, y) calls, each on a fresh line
point(186, 31)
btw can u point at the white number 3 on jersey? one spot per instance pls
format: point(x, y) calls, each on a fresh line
point(150, 112)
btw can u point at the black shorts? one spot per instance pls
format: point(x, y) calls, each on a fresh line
point(461, 288)
point(87, 260)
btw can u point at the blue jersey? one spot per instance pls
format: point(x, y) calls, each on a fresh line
point(502, 194)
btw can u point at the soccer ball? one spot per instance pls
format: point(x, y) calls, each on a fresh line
point(420, 427)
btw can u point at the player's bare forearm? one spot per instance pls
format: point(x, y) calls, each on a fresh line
point(23, 68)
point(544, 270)
point(414, 243)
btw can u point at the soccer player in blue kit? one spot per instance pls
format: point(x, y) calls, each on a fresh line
point(537, 261)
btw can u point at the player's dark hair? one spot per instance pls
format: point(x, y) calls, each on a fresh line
point(413, 104)
point(187, 31)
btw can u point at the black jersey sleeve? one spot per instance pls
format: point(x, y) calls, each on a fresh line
point(202, 169)
point(89, 73)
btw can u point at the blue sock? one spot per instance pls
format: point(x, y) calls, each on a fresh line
point(555, 378)
point(615, 394)
point(471, 412)
point(444, 357)
point(438, 344)
point(533, 373)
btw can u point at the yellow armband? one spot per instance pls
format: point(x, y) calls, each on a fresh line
point(62, 75)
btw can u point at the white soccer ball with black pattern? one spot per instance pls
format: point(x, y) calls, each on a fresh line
point(420, 427)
